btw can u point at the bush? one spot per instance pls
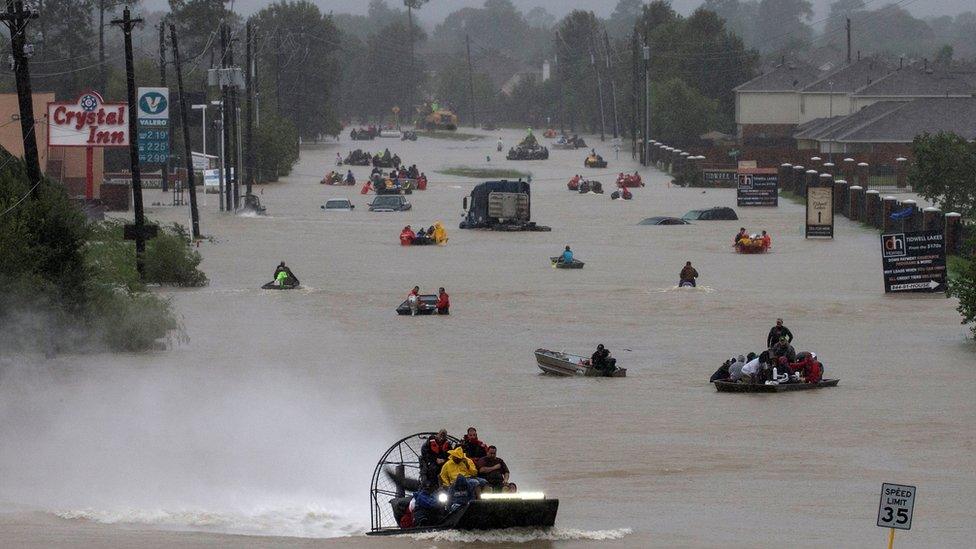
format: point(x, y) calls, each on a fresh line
point(963, 286)
point(171, 260)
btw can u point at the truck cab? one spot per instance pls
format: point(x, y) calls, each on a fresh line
point(499, 205)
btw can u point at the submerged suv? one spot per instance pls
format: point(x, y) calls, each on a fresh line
point(718, 213)
point(389, 203)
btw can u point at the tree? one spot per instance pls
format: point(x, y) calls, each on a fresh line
point(540, 18)
point(681, 114)
point(390, 76)
point(451, 87)
point(574, 41)
point(787, 23)
point(621, 21)
point(943, 171)
point(305, 63)
point(963, 287)
point(63, 32)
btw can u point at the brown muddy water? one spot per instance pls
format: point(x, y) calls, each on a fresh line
point(268, 422)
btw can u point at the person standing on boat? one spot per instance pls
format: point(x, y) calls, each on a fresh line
point(443, 302)
point(777, 333)
point(688, 274)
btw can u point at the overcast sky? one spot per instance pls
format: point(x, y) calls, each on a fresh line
point(436, 10)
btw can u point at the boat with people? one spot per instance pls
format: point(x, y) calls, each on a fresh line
point(363, 134)
point(411, 493)
point(565, 364)
point(752, 244)
point(558, 263)
point(734, 387)
point(564, 142)
point(283, 279)
point(594, 160)
point(358, 157)
point(590, 186)
point(629, 180)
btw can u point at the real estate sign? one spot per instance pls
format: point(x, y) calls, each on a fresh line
point(820, 212)
point(756, 188)
point(914, 261)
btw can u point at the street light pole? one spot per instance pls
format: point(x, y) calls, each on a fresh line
point(647, 102)
point(203, 111)
point(221, 179)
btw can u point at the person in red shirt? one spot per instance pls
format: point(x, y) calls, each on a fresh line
point(443, 302)
point(407, 236)
point(473, 447)
point(766, 240)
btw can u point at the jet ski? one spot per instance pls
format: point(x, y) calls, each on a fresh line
point(575, 264)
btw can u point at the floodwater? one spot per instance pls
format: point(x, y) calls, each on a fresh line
point(269, 421)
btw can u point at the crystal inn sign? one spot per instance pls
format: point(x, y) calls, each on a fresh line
point(88, 122)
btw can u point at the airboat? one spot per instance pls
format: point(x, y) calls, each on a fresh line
point(398, 474)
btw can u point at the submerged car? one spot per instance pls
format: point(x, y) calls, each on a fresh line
point(338, 204)
point(664, 220)
point(389, 203)
point(718, 213)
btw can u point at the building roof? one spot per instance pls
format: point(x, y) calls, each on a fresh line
point(916, 81)
point(790, 76)
point(848, 78)
point(897, 121)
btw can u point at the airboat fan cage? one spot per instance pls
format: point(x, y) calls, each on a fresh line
point(395, 471)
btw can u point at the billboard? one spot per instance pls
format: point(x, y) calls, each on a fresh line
point(718, 177)
point(153, 124)
point(914, 261)
point(88, 122)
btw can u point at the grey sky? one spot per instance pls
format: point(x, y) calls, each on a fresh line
point(436, 10)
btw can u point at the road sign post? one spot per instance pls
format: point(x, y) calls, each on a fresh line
point(895, 508)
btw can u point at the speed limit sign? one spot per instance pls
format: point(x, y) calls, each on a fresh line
point(895, 508)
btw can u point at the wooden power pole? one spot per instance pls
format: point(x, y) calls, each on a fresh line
point(16, 18)
point(187, 148)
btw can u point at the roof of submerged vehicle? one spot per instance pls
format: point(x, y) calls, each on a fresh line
point(663, 220)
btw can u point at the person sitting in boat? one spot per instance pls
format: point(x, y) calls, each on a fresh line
point(625, 193)
point(472, 446)
point(421, 239)
point(740, 235)
point(424, 509)
point(376, 171)
point(493, 469)
point(782, 348)
point(413, 300)
point(809, 368)
point(443, 302)
point(752, 368)
point(602, 361)
point(460, 466)
point(722, 373)
point(688, 275)
point(567, 256)
point(440, 233)
point(735, 368)
point(350, 178)
point(407, 236)
point(434, 455)
point(767, 241)
point(422, 182)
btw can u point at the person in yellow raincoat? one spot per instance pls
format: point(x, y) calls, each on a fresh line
point(460, 465)
point(440, 234)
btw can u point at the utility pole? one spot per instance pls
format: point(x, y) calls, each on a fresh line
point(634, 97)
point(162, 82)
point(249, 109)
point(277, 48)
point(225, 109)
point(467, 45)
point(102, 69)
point(599, 87)
point(235, 116)
point(613, 85)
point(848, 40)
point(646, 140)
point(187, 148)
point(130, 80)
point(16, 18)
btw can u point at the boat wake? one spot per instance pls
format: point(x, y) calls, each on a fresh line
point(522, 535)
point(700, 289)
point(305, 522)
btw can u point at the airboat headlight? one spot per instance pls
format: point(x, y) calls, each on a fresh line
point(516, 495)
point(442, 497)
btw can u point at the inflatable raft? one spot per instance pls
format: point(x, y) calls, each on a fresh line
point(751, 246)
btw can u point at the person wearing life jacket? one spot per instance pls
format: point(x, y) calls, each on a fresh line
point(625, 193)
point(407, 236)
point(440, 233)
point(443, 302)
point(283, 274)
point(367, 186)
point(413, 300)
point(739, 236)
point(422, 182)
point(473, 447)
point(766, 240)
point(434, 454)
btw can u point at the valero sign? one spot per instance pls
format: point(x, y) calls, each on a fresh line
point(88, 122)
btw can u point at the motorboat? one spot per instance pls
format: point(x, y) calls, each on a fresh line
point(565, 364)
